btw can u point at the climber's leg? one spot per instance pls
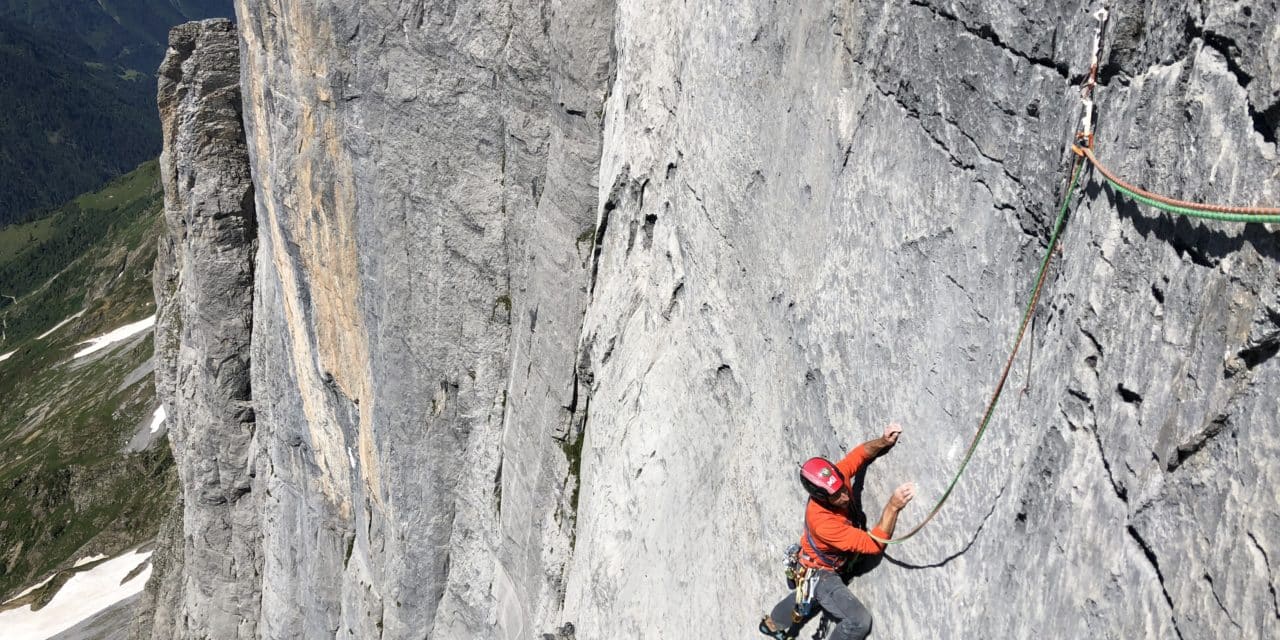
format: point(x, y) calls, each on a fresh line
point(781, 615)
point(853, 621)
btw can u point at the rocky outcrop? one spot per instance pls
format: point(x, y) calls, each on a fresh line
point(551, 295)
point(206, 580)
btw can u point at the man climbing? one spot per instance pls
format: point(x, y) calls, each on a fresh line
point(831, 540)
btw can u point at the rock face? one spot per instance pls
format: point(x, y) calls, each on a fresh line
point(206, 581)
point(551, 296)
point(427, 203)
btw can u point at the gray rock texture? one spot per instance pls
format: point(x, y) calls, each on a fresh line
point(552, 296)
point(206, 581)
point(427, 201)
point(859, 199)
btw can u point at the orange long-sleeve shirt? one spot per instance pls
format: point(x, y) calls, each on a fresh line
point(832, 531)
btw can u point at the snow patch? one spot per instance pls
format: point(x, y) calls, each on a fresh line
point(59, 326)
point(107, 339)
point(33, 587)
point(83, 561)
point(157, 419)
point(84, 595)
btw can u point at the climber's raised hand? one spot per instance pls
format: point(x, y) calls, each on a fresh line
point(891, 433)
point(902, 495)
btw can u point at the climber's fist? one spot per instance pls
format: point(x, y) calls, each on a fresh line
point(891, 433)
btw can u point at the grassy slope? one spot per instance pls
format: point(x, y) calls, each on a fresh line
point(68, 489)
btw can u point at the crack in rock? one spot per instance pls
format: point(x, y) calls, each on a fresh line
point(915, 115)
point(1197, 442)
point(1275, 602)
point(1155, 564)
point(1230, 618)
point(1121, 491)
point(1265, 121)
point(987, 34)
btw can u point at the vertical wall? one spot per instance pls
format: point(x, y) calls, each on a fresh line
point(207, 578)
point(550, 297)
point(828, 216)
point(427, 198)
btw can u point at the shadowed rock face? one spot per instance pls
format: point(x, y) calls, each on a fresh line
point(206, 582)
point(551, 296)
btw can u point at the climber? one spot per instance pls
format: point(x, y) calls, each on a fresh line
point(831, 540)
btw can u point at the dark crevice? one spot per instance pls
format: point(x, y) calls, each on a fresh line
point(962, 551)
point(615, 194)
point(497, 486)
point(650, 220)
point(1129, 395)
point(1260, 353)
point(987, 33)
point(671, 303)
point(1195, 444)
point(1218, 600)
point(1230, 51)
point(1265, 122)
point(1016, 180)
point(915, 115)
point(1097, 346)
point(1275, 602)
point(1120, 490)
point(1155, 564)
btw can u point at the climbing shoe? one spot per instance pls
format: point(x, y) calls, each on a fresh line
point(767, 629)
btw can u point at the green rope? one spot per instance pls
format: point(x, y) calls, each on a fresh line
point(1195, 213)
point(1035, 296)
point(995, 398)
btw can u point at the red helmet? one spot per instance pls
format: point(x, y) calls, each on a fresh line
point(821, 478)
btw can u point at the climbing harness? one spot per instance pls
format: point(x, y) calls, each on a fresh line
point(804, 595)
point(1083, 149)
point(804, 578)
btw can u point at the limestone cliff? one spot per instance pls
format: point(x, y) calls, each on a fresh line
point(206, 579)
point(551, 296)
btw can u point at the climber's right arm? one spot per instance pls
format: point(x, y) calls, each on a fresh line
point(901, 496)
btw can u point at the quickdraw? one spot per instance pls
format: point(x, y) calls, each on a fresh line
point(806, 584)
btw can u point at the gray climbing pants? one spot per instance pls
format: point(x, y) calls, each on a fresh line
point(852, 620)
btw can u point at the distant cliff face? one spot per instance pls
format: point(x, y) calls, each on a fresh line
point(427, 201)
point(551, 297)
